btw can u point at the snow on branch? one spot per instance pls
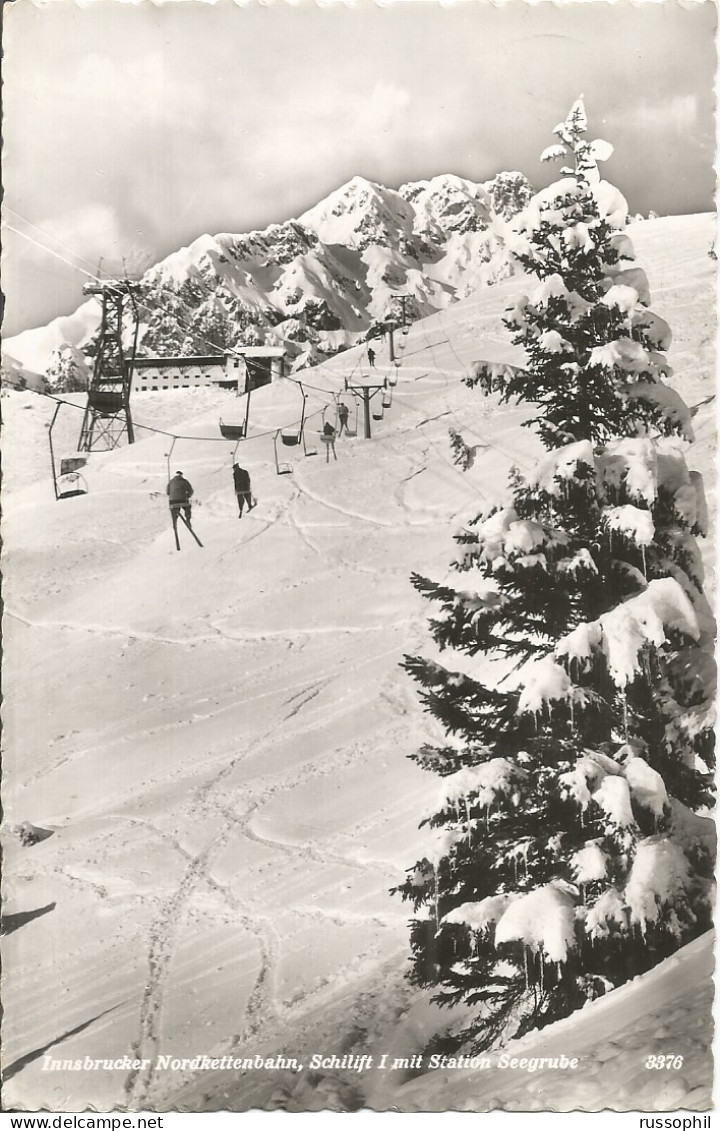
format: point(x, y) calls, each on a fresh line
point(659, 878)
point(543, 682)
point(632, 277)
point(641, 621)
point(481, 915)
point(631, 463)
point(481, 785)
point(590, 863)
point(491, 376)
point(543, 920)
point(613, 797)
point(674, 408)
point(646, 786)
point(633, 524)
point(553, 153)
point(608, 912)
point(442, 843)
point(561, 465)
point(623, 634)
point(629, 356)
point(587, 775)
point(654, 328)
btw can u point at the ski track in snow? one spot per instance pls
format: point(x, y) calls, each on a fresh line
point(166, 728)
point(164, 932)
point(204, 638)
point(344, 511)
point(261, 1006)
point(166, 927)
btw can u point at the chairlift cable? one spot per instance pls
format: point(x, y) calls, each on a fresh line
point(180, 436)
point(50, 237)
point(49, 250)
point(113, 279)
point(179, 322)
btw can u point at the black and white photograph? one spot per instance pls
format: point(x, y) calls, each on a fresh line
point(358, 559)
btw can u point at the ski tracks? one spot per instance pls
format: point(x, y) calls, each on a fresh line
point(168, 923)
point(261, 1008)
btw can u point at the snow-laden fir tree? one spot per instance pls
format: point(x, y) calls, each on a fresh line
point(68, 370)
point(565, 853)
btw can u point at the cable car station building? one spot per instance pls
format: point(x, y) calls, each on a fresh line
point(248, 367)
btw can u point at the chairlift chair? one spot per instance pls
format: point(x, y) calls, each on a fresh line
point(70, 482)
point(232, 431)
point(70, 485)
point(291, 437)
point(284, 468)
point(237, 432)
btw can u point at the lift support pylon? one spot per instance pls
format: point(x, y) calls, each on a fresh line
point(107, 413)
point(366, 393)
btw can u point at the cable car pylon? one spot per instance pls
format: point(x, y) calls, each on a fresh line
point(107, 413)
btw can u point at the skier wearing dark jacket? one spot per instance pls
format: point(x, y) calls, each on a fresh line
point(328, 438)
point(243, 492)
point(179, 493)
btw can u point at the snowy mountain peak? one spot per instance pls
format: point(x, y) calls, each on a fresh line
point(448, 204)
point(360, 213)
point(315, 283)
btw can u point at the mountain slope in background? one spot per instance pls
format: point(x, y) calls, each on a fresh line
point(315, 284)
point(221, 749)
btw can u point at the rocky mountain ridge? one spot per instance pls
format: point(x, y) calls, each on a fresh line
point(316, 283)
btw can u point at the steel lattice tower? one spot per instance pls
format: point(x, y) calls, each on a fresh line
point(107, 413)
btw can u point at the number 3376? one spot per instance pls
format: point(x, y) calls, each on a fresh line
point(664, 1062)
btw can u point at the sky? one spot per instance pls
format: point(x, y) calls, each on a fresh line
point(129, 129)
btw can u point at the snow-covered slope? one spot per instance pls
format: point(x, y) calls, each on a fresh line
point(217, 739)
point(33, 348)
point(621, 1045)
point(314, 284)
point(16, 376)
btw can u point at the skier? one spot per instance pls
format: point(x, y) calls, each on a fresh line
point(343, 413)
point(328, 439)
point(243, 492)
point(371, 356)
point(179, 493)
